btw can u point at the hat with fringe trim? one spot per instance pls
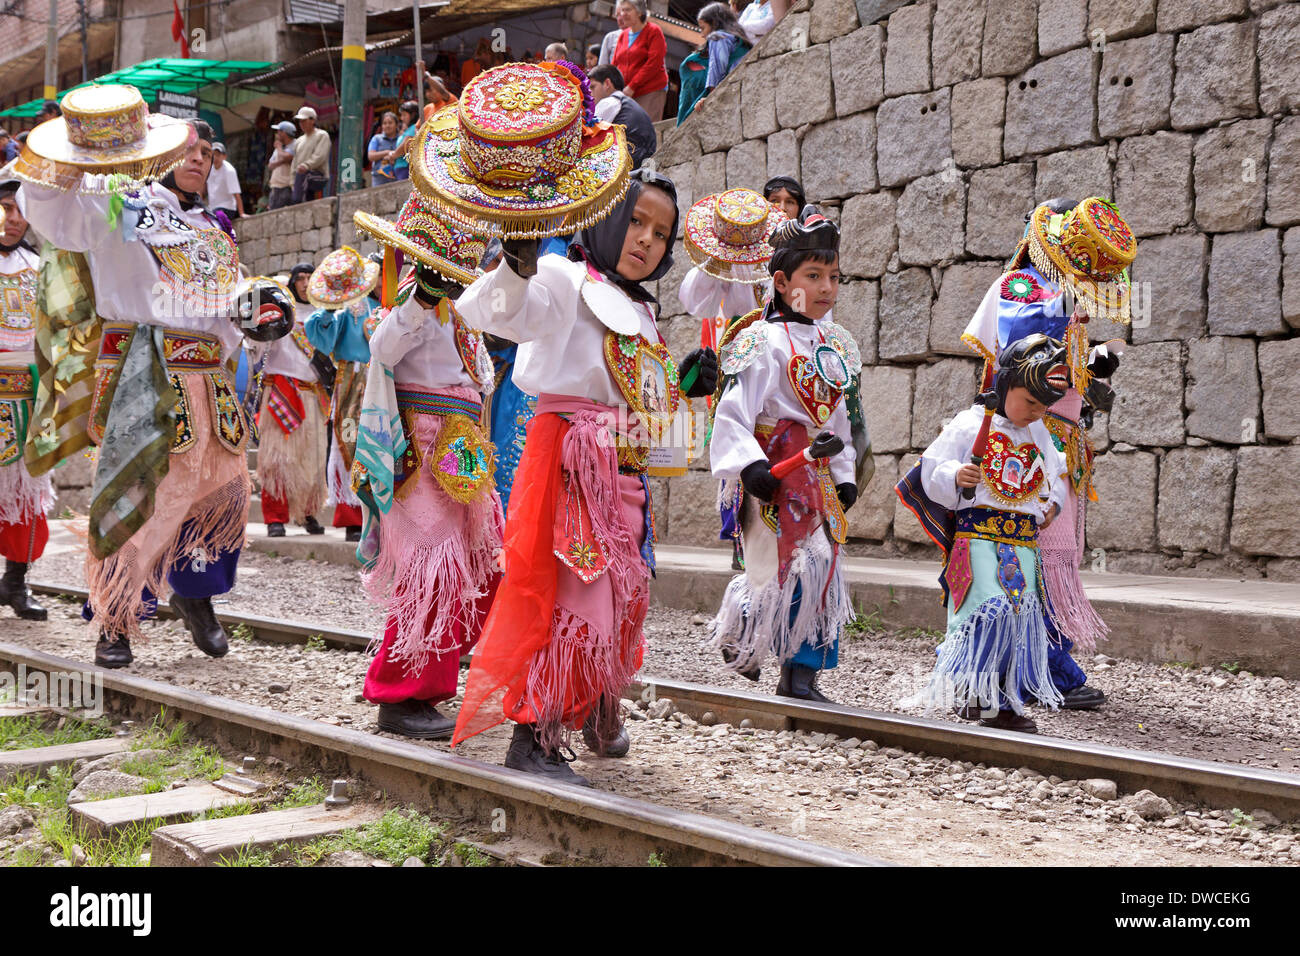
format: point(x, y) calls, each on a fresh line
point(342, 276)
point(103, 130)
point(1088, 250)
point(728, 233)
point(521, 155)
point(446, 247)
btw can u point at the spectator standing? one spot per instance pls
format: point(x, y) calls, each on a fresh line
point(480, 61)
point(8, 148)
point(409, 114)
point(757, 19)
point(436, 96)
point(556, 52)
point(382, 151)
point(613, 105)
point(312, 157)
point(49, 110)
point(640, 56)
point(593, 55)
point(607, 45)
point(725, 41)
point(694, 70)
point(224, 192)
point(280, 185)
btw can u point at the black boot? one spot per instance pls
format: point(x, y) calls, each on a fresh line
point(617, 746)
point(353, 533)
point(111, 653)
point(1083, 698)
point(275, 529)
point(312, 525)
point(526, 754)
point(754, 673)
point(209, 636)
point(800, 683)
point(415, 718)
point(15, 593)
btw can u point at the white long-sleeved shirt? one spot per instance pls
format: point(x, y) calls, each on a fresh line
point(703, 295)
point(419, 349)
point(127, 275)
point(18, 313)
point(761, 393)
point(952, 449)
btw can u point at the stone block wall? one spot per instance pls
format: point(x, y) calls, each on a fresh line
point(928, 129)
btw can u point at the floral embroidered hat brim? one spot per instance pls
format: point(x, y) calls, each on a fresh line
point(521, 155)
point(341, 277)
point(728, 233)
point(1087, 249)
point(435, 241)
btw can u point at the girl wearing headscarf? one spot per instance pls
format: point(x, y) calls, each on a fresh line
point(564, 636)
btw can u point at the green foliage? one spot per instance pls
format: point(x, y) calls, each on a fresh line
point(33, 730)
point(316, 643)
point(242, 632)
point(38, 793)
point(394, 837)
point(1232, 667)
point(471, 856)
point(247, 856)
point(1185, 665)
point(231, 810)
point(655, 860)
point(123, 848)
point(1241, 819)
point(308, 793)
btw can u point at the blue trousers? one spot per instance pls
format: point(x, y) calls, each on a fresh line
point(810, 655)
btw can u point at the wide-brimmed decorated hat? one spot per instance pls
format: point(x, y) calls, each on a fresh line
point(522, 154)
point(445, 246)
point(342, 276)
point(1088, 250)
point(103, 129)
point(727, 234)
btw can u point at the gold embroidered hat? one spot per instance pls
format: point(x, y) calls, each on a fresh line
point(342, 276)
point(521, 155)
point(447, 247)
point(728, 233)
point(1087, 249)
point(103, 129)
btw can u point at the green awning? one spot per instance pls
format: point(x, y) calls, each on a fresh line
point(174, 75)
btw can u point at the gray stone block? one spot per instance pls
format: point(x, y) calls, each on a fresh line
point(783, 154)
point(693, 510)
point(868, 234)
point(680, 145)
point(1230, 166)
point(1010, 30)
point(977, 111)
point(1223, 390)
point(858, 70)
point(1135, 85)
point(717, 117)
point(931, 220)
point(710, 174)
point(828, 20)
point(805, 87)
point(907, 50)
point(1126, 517)
point(302, 218)
point(1210, 81)
point(683, 177)
point(1262, 523)
point(1117, 19)
point(887, 406)
point(1195, 503)
point(1178, 15)
point(1062, 25)
point(758, 99)
point(1038, 119)
point(996, 207)
point(1075, 174)
point(790, 33)
point(1279, 66)
point(857, 308)
point(1149, 396)
point(1245, 298)
point(1170, 271)
point(960, 294)
point(1278, 362)
point(1153, 182)
point(905, 315)
point(322, 213)
point(941, 391)
point(913, 137)
point(1291, 278)
point(873, 514)
point(958, 33)
point(843, 156)
point(1284, 175)
point(747, 165)
point(906, 527)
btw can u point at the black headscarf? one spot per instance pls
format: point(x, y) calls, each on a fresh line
point(790, 185)
point(293, 277)
point(602, 244)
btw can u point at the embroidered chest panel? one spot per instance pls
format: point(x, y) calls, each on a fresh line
point(646, 376)
point(199, 268)
point(1012, 473)
point(17, 309)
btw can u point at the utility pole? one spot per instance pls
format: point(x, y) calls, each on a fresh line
point(85, 49)
point(52, 53)
point(419, 65)
point(352, 95)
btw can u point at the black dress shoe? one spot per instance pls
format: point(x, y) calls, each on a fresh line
point(353, 533)
point(113, 654)
point(275, 529)
point(208, 634)
point(15, 593)
point(800, 683)
point(312, 525)
point(1010, 720)
point(415, 718)
point(526, 754)
point(617, 747)
point(1083, 698)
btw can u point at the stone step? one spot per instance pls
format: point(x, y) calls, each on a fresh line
point(205, 842)
point(102, 817)
point(40, 759)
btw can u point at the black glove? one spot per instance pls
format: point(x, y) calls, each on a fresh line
point(521, 256)
point(759, 481)
point(707, 378)
point(848, 493)
point(1102, 363)
point(1099, 395)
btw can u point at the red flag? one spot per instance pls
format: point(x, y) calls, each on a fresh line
point(178, 30)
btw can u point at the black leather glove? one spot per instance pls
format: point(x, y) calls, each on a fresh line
point(521, 256)
point(848, 493)
point(707, 378)
point(759, 481)
point(1102, 362)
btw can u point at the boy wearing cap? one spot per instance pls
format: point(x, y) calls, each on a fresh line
point(224, 194)
point(311, 158)
point(280, 184)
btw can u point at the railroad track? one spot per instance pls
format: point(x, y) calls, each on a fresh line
point(541, 820)
point(1220, 785)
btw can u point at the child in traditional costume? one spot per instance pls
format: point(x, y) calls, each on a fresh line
point(24, 500)
point(170, 498)
point(1070, 267)
point(983, 490)
point(564, 637)
point(786, 373)
point(423, 468)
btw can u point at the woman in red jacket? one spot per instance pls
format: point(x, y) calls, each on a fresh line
point(640, 57)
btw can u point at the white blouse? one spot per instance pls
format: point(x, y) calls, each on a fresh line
point(704, 296)
point(418, 348)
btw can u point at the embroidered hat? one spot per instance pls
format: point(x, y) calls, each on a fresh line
point(728, 233)
point(103, 129)
point(1088, 250)
point(342, 276)
point(521, 155)
point(445, 246)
